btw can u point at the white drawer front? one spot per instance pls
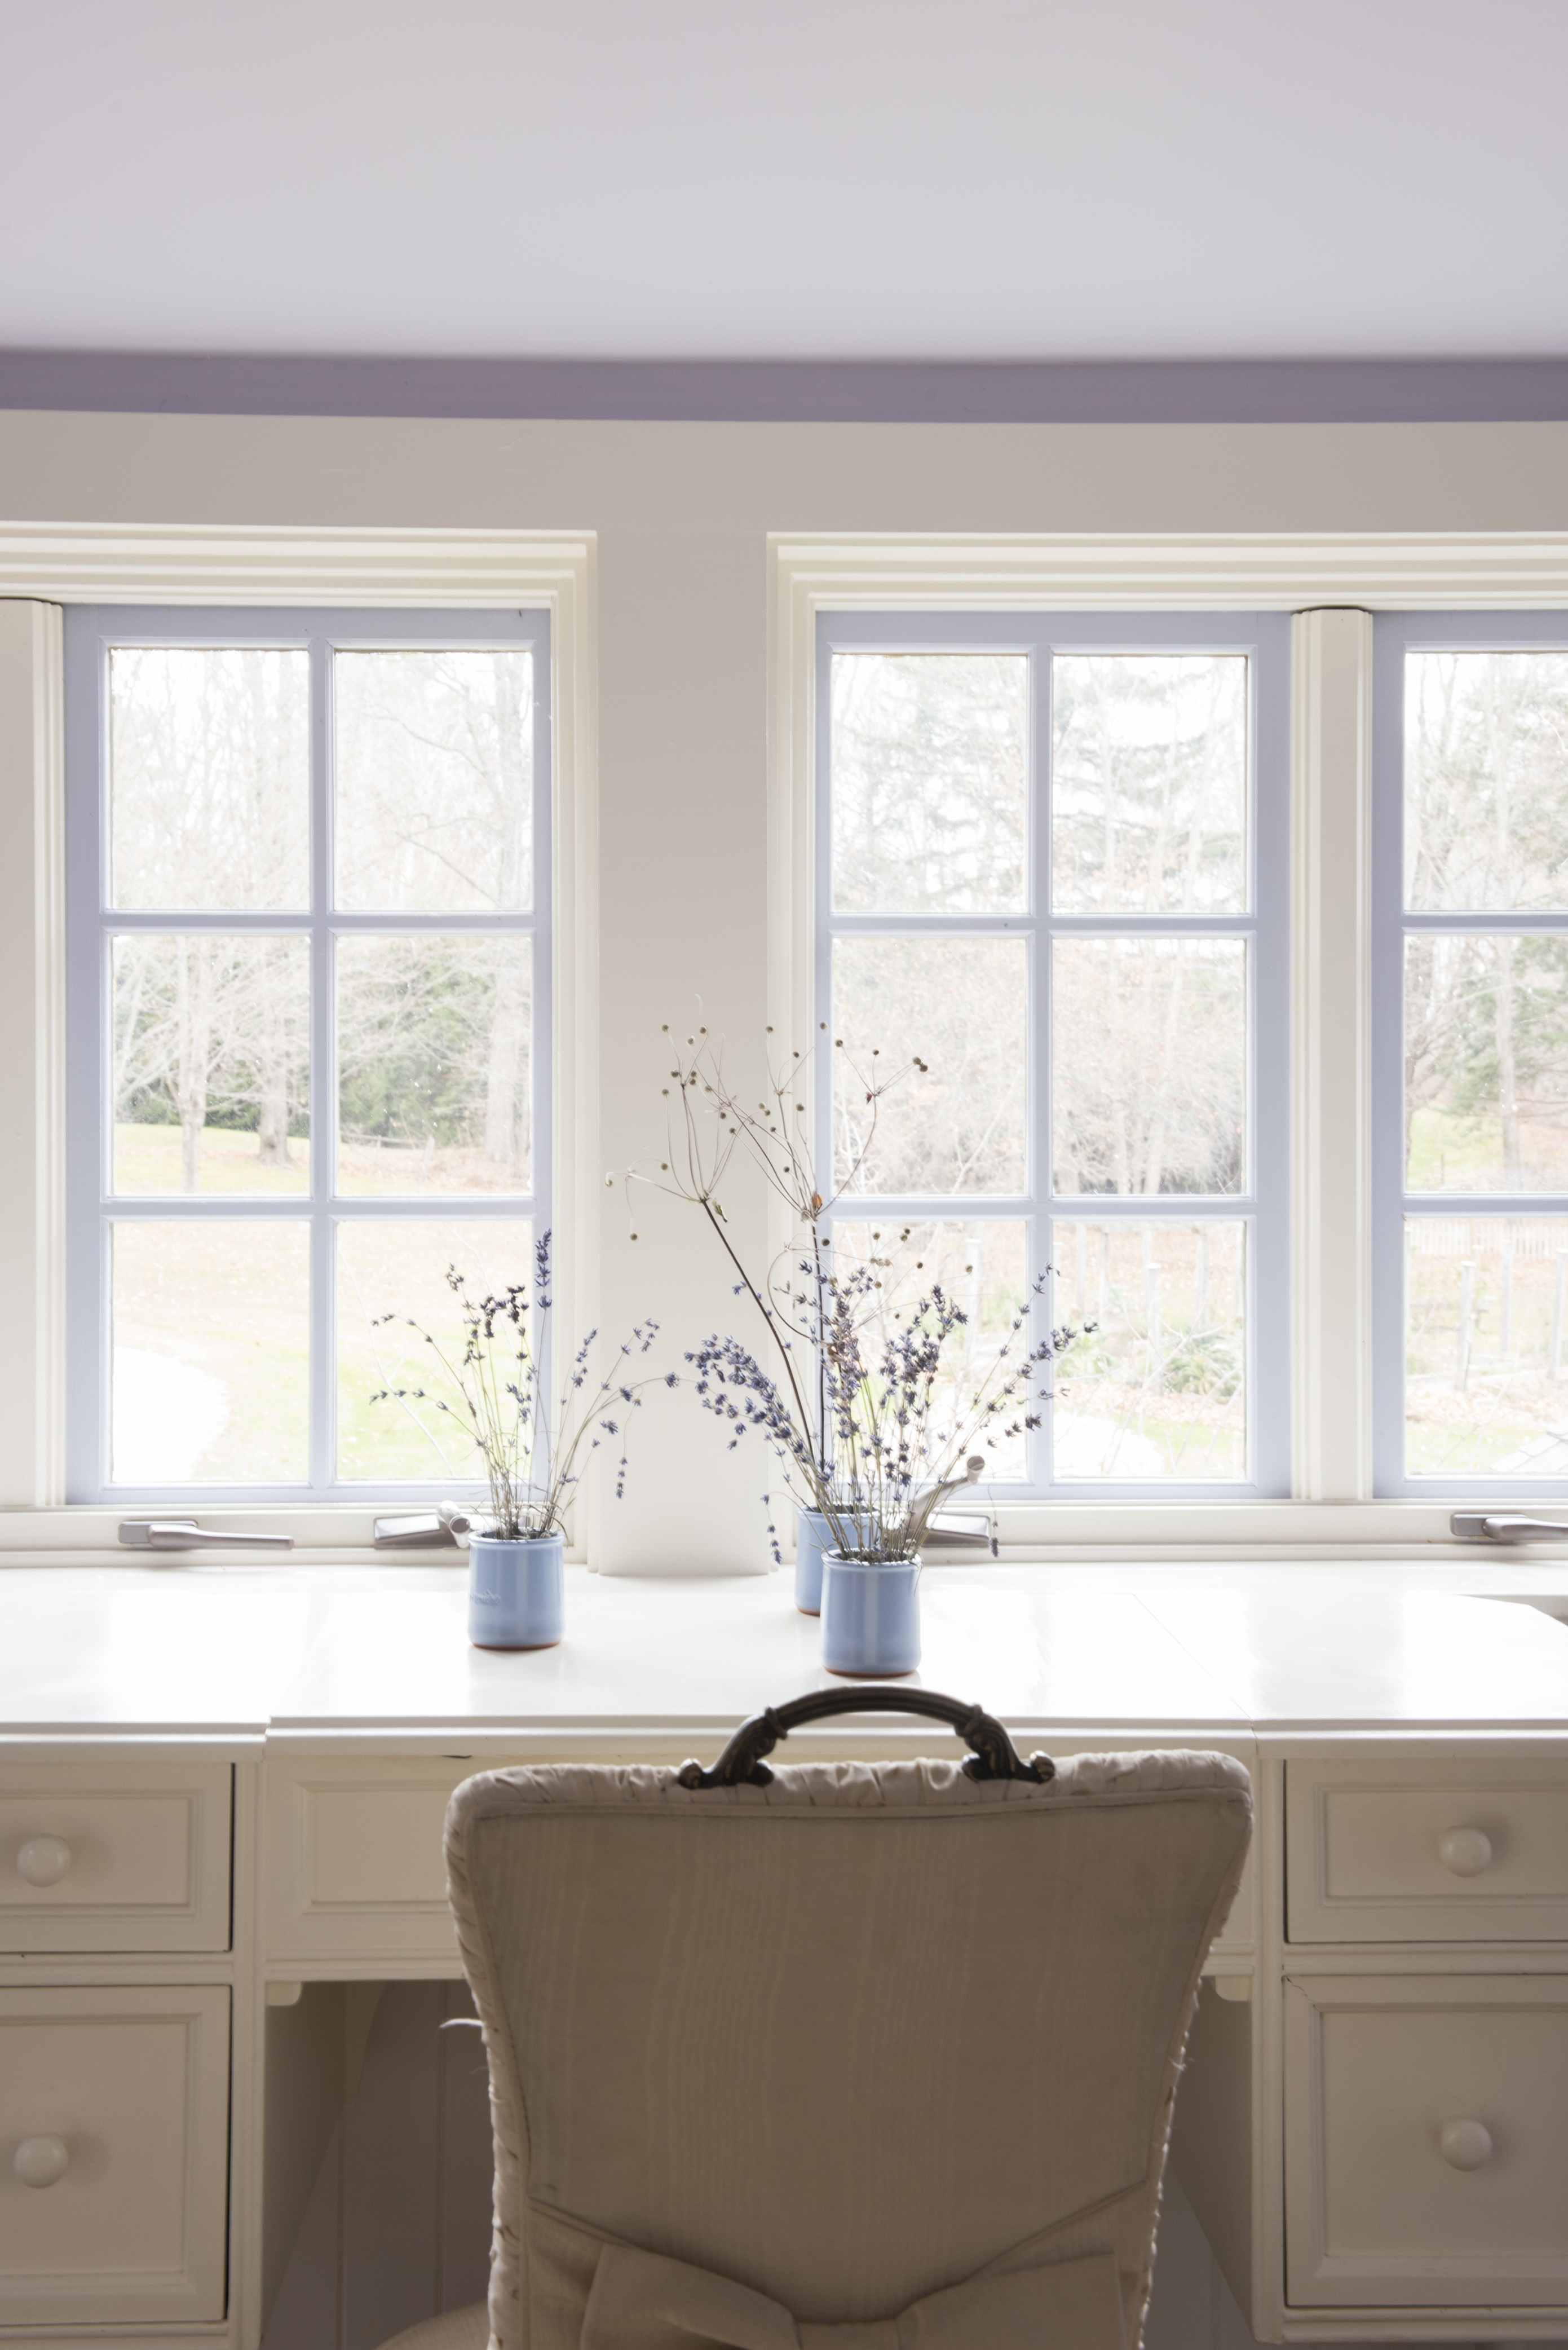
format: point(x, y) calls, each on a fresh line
point(354, 1864)
point(1426, 2140)
point(354, 1860)
point(123, 2093)
point(1428, 1851)
point(114, 1856)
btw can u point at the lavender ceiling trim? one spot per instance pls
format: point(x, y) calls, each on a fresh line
point(1123, 391)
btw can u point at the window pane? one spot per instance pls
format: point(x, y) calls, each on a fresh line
point(1486, 1064)
point(433, 1063)
point(1148, 783)
point(930, 765)
point(980, 1264)
point(1149, 1065)
point(1486, 780)
point(959, 1005)
point(435, 780)
point(210, 777)
point(211, 1064)
point(210, 1371)
point(400, 1268)
point(1485, 1345)
point(1157, 1388)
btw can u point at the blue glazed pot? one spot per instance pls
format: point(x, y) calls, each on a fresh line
point(517, 1592)
point(870, 1615)
point(813, 1536)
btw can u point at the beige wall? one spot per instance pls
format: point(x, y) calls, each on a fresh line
point(680, 514)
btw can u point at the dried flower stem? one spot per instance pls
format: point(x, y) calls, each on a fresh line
point(496, 1387)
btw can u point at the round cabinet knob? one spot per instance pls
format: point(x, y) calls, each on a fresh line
point(44, 1859)
point(1465, 2145)
point(40, 2161)
point(1465, 1851)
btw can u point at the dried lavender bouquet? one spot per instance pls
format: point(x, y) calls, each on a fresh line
point(859, 1420)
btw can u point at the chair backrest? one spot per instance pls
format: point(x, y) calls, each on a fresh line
point(874, 2050)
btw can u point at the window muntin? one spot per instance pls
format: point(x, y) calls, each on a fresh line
point(310, 1006)
point(1050, 860)
point(1470, 1052)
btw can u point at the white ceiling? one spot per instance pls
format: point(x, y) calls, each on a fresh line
point(786, 178)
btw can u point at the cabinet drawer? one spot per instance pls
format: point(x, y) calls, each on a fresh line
point(353, 1866)
point(117, 2103)
point(354, 1858)
point(115, 1857)
point(1429, 1851)
point(1425, 2140)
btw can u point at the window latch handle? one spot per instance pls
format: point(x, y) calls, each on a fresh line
point(1480, 1525)
point(184, 1534)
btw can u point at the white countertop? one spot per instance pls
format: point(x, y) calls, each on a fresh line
point(246, 1651)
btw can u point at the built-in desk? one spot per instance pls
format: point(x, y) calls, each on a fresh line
point(222, 1782)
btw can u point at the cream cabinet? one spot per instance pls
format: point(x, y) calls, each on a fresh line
point(1442, 1849)
point(353, 1865)
point(122, 1855)
point(1426, 2140)
point(114, 2109)
point(1419, 2067)
point(1372, 2125)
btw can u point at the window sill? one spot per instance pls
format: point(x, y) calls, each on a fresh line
point(1185, 1531)
point(1055, 1533)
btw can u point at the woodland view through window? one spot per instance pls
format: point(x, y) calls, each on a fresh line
point(1051, 864)
point(311, 1007)
point(1472, 1078)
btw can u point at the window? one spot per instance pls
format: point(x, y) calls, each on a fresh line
point(1050, 867)
point(1470, 1074)
point(310, 1010)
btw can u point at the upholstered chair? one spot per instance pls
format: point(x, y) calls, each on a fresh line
point(869, 2057)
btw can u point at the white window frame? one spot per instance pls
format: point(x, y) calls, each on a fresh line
point(93, 924)
point(1262, 639)
point(1330, 584)
point(46, 568)
point(1395, 634)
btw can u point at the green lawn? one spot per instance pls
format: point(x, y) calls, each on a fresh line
point(231, 1300)
point(147, 1163)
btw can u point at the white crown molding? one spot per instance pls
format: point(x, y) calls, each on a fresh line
point(1275, 571)
point(84, 563)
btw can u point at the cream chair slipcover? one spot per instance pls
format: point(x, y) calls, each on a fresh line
point(871, 2058)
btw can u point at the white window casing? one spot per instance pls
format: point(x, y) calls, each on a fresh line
point(1333, 584)
point(43, 568)
point(33, 1050)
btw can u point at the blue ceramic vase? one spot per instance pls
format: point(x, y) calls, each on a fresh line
point(814, 1537)
point(517, 1591)
point(870, 1615)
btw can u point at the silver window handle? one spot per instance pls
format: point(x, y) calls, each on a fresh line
point(426, 1529)
point(1480, 1525)
point(184, 1534)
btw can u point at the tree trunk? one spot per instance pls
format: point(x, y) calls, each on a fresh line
point(1507, 1082)
point(1154, 1163)
point(506, 1088)
point(272, 1076)
point(193, 1008)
